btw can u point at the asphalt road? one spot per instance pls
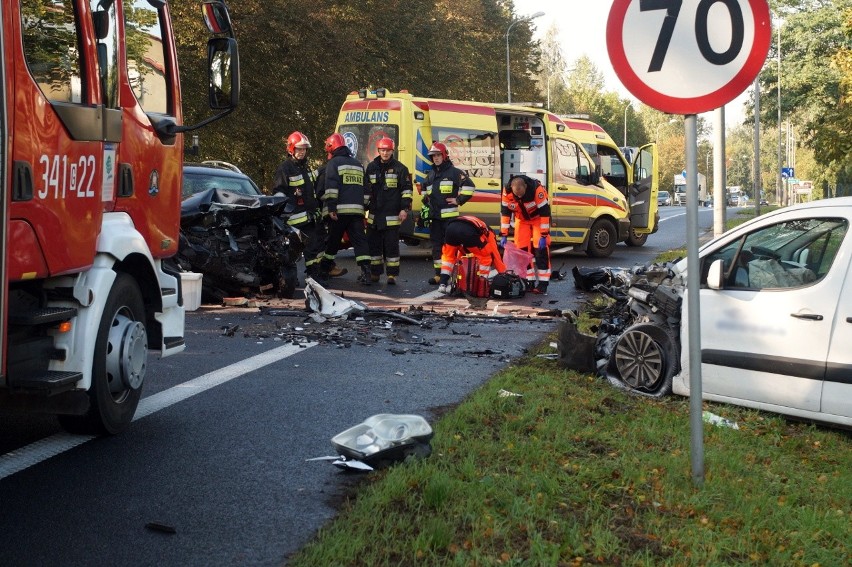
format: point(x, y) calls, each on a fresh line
point(215, 463)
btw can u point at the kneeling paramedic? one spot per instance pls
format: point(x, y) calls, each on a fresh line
point(468, 235)
point(526, 199)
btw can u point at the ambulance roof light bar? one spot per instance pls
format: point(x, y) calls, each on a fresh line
point(378, 93)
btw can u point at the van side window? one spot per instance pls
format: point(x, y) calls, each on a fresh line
point(569, 162)
point(782, 256)
point(146, 56)
point(51, 43)
point(474, 151)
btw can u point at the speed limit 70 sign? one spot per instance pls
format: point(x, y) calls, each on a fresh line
point(688, 56)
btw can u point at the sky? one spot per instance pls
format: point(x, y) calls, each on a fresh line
point(581, 27)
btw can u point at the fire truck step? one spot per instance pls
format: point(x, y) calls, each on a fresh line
point(50, 381)
point(43, 316)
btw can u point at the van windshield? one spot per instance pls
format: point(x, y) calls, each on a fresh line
point(361, 139)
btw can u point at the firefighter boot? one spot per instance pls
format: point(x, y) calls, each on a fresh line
point(312, 272)
point(365, 278)
point(336, 271)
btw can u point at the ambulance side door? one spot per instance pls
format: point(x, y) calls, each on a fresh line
point(572, 199)
point(642, 190)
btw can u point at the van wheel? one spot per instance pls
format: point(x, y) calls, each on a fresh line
point(602, 239)
point(119, 366)
point(635, 239)
point(645, 360)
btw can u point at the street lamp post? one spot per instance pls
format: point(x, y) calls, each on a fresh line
point(508, 68)
point(626, 106)
point(657, 135)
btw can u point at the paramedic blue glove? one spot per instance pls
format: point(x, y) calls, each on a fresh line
point(542, 243)
point(503, 240)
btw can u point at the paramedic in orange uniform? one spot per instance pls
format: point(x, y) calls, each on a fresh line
point(468, 235)
point(526, 199)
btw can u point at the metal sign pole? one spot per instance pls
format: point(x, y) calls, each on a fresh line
point(696, 425)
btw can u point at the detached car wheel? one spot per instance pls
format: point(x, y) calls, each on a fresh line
point(645, 359)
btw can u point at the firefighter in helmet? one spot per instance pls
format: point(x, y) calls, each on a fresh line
point(345, 200)
point(296, 180)
point(526, 200)
point(390, 200)
point(445, 189)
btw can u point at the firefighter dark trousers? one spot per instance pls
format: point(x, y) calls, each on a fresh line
point(353, 225)
point(384, 250)
point(437, 231)
point(314, 234)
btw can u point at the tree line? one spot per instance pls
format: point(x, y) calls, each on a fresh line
point(300, 60)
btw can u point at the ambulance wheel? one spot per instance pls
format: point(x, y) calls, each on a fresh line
point(635, 239)
point(119, 366)
point(645, 360)
point(602, 239)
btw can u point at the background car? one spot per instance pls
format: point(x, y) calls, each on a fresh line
point(708, 203)
point(664, 199)
point(198, 177)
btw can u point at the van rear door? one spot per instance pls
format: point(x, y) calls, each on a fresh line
point(470, 134)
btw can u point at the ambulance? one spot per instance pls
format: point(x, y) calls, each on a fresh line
point(494, 142)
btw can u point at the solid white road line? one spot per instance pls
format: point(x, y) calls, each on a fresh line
point(41, 450)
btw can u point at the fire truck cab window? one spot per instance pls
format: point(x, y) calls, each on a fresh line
point(146, 56)
point(50, 39)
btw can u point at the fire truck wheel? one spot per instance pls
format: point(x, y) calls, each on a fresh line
point(645, 360)
point(635, 239)
point(120, 363)
point(602, 239)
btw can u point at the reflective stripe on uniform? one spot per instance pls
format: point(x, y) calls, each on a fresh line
point(349, 209)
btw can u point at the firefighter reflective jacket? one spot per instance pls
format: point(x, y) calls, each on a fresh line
point(345, 188)
point(390, 192)
point(445, 182)
point(533, 207)
point(294, 179)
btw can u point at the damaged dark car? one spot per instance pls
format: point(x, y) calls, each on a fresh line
point(776, 306)
point(241, 243)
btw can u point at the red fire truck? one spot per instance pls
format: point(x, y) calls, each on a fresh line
point(92, 156)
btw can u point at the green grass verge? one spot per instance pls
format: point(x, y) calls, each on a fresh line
point(577, 472)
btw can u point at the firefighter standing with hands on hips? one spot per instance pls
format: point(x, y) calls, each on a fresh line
point(444, 190)
point(297, 181)
point(469, 235)
point(526, 199)
point(345, 198)
point(390, 200)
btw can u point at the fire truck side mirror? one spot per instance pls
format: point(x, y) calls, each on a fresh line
point(223, 65)
point(217, 18)
point(100, 21)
